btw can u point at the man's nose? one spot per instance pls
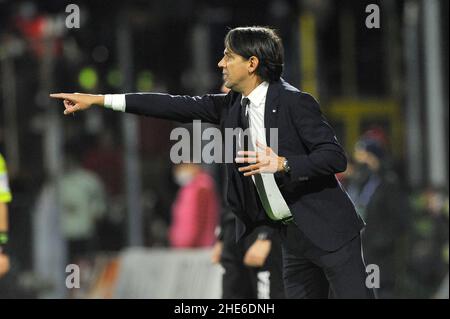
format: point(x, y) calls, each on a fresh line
point(221, 64)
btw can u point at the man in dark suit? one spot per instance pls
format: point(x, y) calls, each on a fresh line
point(292, 188)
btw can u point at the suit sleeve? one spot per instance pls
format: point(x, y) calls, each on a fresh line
point(326, 156)
point(180, 108)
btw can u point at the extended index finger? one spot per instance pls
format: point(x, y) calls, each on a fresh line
point(62, 96)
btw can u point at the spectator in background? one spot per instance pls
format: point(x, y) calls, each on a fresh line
point(105, 159)
point(83, 203)
point(5, 197)
point(252, 267)
point(384, 205)
point(429, 259)
point(11, 287)
point(195, 210)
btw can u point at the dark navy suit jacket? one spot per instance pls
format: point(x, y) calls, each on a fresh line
point(321, 208)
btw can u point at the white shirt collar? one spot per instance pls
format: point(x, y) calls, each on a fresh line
point(258, 95)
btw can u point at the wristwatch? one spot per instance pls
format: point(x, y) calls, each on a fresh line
point(286, 167)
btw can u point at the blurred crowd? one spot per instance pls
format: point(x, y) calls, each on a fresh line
point(407, 232)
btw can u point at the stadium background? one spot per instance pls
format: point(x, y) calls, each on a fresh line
point(394, 78)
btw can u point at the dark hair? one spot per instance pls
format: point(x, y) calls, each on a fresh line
point(261, 42)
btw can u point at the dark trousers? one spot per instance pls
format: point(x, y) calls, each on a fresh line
point(242, 282)
point(312, 273)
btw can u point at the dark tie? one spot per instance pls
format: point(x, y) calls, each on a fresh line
point(251, 202)
point(245, 123)
point(244, 114)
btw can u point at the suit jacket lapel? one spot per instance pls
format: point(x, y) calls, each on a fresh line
point(233, 115)
point(271, 109)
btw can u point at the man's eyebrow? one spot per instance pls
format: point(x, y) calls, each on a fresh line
point(226, 52)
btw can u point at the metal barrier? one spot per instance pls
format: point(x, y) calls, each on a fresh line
point(163, 273)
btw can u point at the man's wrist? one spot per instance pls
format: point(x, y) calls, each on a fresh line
point(283, 165)
point(100, 100)
point(280, 163)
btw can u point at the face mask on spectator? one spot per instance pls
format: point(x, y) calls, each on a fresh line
point(362, 173)
point(183, 177)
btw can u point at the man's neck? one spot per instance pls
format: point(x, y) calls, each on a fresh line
point(252, 84)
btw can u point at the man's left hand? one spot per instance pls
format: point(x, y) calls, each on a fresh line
point(262, 161)
point(257, 254)
point(217, 252)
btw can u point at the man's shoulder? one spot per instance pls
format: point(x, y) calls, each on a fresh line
point(292, 93)
point(230, 98)
point(288, 88)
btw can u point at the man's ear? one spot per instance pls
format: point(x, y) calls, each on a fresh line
point(253, 64)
